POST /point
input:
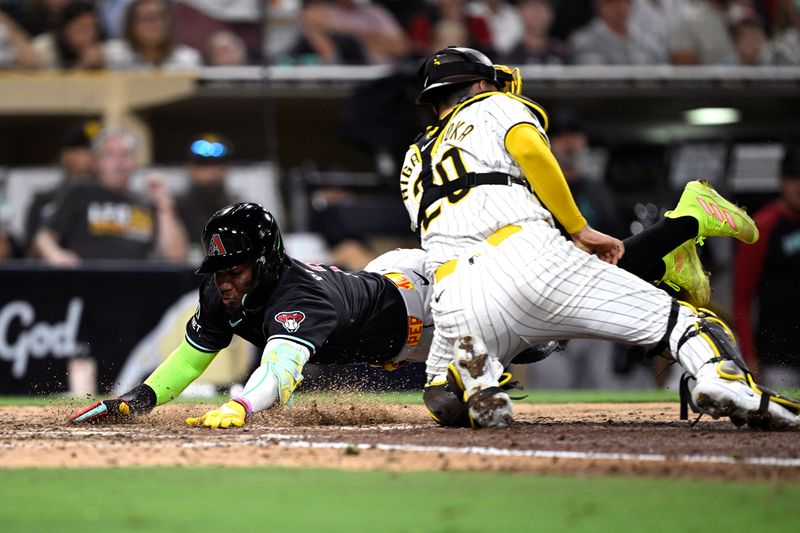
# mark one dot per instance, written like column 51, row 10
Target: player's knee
column 446, row 406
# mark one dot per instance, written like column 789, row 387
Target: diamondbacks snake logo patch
column 290, row 320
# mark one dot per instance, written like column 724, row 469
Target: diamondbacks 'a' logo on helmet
column 215, row 246
column 290, row 320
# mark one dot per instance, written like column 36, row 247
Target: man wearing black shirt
column 102, row 219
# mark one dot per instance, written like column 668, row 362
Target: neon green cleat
column 716, row 216
column 685, row 271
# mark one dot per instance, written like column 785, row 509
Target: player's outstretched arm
column 280, row 372
column 183, row 366
column 140, row 400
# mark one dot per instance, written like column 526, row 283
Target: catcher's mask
column 451, row 66
column 245, row 233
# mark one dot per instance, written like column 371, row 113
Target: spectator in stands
column 422, row 27
column 281, row 33
column 6, row 245
column 767, row 278
column 197, row 19
column 751, row 43
column 448, row 33
column 76, row 42
column 208, row 165
column 225, row 49
column 536, row 45
column 570, row 15
column 35, row 16
column 651, row 21
column 607, row 41
column 103, row 220
column 15, row 47
column 701, row 35
column 505, row 24
column 786, row 31
column 570, row 146
column 77, row 162
column 112, row 16
column 352, row 31
column 150, row 40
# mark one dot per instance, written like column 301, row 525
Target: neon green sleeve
column 183, row 366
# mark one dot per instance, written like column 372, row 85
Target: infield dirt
column 624, row 439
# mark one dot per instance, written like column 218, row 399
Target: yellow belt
column 447, row 268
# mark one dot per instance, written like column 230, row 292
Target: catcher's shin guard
column 726, row 387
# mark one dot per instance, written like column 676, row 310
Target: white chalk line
column 298, row 441
column 551, row 454
column 120, row 432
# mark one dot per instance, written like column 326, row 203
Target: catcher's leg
column 704, row 345
column 447, row 402
column 478, row 374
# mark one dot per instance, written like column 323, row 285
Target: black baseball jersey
column 340, row 317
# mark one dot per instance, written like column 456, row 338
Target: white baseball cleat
column 724, row 389
column 479, row 375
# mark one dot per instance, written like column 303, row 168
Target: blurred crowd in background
column 186, row 34
column 91, row 214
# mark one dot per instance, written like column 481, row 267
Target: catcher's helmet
column 453, row 65
column 245, row 233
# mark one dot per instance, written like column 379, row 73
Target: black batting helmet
column 453, row 65
column 245, row 233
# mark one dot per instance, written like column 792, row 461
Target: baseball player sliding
column 482, row 188
column 296, row 312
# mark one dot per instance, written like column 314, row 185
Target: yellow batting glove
column 231, row 414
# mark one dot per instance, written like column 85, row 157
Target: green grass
column 265, row 499
column 404, row 397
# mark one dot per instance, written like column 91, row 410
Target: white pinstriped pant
column 537, row 286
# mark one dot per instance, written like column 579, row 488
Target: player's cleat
column 685, row 271
column 478, row 375
column 725, row 389
column 716, row 216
